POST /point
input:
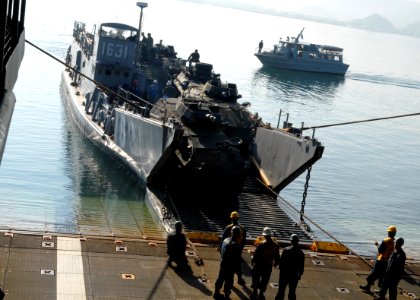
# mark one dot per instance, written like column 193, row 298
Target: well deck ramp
column 257, row 208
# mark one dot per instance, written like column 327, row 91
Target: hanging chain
column 305, row 193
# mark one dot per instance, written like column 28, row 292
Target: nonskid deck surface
column 257, row 210
column 67, row 267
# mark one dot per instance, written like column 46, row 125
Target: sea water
column 52, row 179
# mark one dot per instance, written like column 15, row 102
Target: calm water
column 52, row 179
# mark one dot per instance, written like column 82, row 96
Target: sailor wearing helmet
column 266, row 256
column 292, row 262
column 384, row 253
column 230, row 257
column 234, row 217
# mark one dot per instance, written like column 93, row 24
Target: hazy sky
column 399, row 12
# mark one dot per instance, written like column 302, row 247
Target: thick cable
column 361, row 121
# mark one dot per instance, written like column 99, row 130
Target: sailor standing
column 230, row 257
column 394, row 272
column 153, row 92
column 260, row 46
column 234, row 217
column 384, row 252
column 169, row 90
column 266, row 256
column 292, row 264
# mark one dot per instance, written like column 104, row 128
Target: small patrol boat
column 293, row 54
column 200, row 152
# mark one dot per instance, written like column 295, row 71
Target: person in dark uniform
column 230, row 257
column 384, row 252
column 194, row 57
column 292, row 263
column 153, row 92
column 394, row 272
column 143, row 38
column 176, row 247
column 234, row 217
column 135, row 88
column 149, row 45
column 260, row 46
column 169, row 90
column 266, row 256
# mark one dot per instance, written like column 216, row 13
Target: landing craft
column 200, row 151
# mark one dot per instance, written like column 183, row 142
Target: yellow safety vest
column 385, row 255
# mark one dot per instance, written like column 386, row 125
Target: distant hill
column 373, row 22
column 412, row 29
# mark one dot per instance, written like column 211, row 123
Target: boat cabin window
column 78, row 28
column 118, row 33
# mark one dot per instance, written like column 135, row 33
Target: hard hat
column 236, row 230
column 234, row 215
column 169, row 82
column 178, row 224
column 267, row 231
column 294, row 237
column 155, row 81
column 392, row 229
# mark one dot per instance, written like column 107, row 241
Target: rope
column 197, row 260
column 362, row 121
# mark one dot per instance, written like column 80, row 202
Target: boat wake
column 385, row 80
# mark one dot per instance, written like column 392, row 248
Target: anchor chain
column 305, row 193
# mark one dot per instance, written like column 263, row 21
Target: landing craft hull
column 140, row 151
column 200, row 152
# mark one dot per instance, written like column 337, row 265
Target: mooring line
column 362, row 121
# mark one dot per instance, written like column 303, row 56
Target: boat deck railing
column 140, row 105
